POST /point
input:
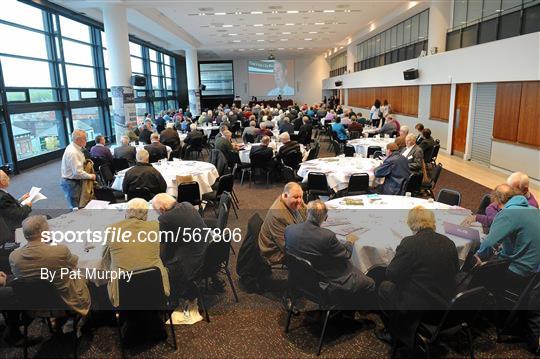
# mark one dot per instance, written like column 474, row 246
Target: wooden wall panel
column 529, row 114
column 440, row 102
column 507, row 109
column 403, row 99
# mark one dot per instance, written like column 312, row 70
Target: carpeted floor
column 254, row 326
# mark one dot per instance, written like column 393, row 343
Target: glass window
column 158, row 106
column 25, row 73
column 460, row 12
column 80, row 77
column 394, row 37
column 169, row 83
column 140, row 109
column 153, row 55
column 407, row 31
column 468, row 37
column 103, row 39
column 167, row 60
column 36, row 133
column 511, row 5
column 89, row 120
column 42, row 95
column 387, row 41
column 171, row 104
column 399, row 35
column 510, row 25
column 106, row 58
column 135, row 49
column 424, row 25
column 453, row 40
column 19, row 13
column 137, row 65
column 490, row 8
column 16, row 96
column 22, row 42
column 168, row 72
column 531, row 19
column 77, row 53
column 474, row 10
column 488, row 31
column 154, row 68
column 155, row 82
column 383, row 44
column 74, row 29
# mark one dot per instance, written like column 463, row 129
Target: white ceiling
column 248, row 28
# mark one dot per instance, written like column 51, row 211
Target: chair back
column 436, row 174
column 304, row 280
column 484, row 203
column 314, row 152
column 257, row 160
column 449, row 196
column 98, row 161
column 292, row 159
column 196, row 144
column 104, row 194
column 378, row 155
column 372, row 149
column 189, row 192
column 106, row 173
column 336, row 147
column 143, row 292
column 249, row 138
column 5, row 232
column 349, row 151
column 225, row 183
column 224, row 208
column 358, row 184
column 140, row 192
column 415, row 183
column 435, row 153
column 488, row 275
column 120, row 164
column 37, row 295
column 213, row 133
column 317, row 183
column 288, row 174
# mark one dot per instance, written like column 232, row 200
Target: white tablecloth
column 361, row 144
column 339, row 169
column 244, row 153
column 203, row 172
column 141, row 147
column 381, row 224
column 208, row 129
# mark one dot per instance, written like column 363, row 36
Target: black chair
column 106, row 173
column 249, row 138
column 189, row 192
column 414, row 184
column 140, row 192
column 349, row 151
column 484, row 203
column 196, row 145
column 107, row 194
column 459, row 317
column 449, row 196
column 306, row 282
column 358, row 184
column 120, row 164
column 292, row 159
column 336, row 146
column 435, row 174
column 372, row 149
column 434, row 154
column 488, row 275
column 40, row 299
column 289, row 175
column 144, row 291
column 314, row 151
column 259, row 164
column 225, row 183
column 98, row 161
column 317, row 185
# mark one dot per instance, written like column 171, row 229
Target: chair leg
column 25, row 333
column 469, row 341
column 242, row 179
column 203, row 305
column 231, row 283
column 235, row 213
column 76, row 340
column 119, row 327
column 323, row 332
column 173, row 334
column 289, row 316
column 49, row 324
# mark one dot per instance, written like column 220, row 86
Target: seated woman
column 338, row 128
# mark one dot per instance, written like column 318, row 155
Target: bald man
column 288, row 208
column 520, row 182
column 11, row 209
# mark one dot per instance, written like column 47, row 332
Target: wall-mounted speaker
column 203, row 87
column 410, row 74
column 338, row 83
column 137, row 80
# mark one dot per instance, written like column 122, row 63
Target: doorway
column 461, row 118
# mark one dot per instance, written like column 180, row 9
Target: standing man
column 72, row 170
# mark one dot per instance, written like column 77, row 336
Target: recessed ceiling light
column 260, row 33
column 329, row 11
column 311, row 11
column 281, row 48
column 300, row 48
column 260, row 49
column 236, row 41
column 283, row 39
column 240, row 49
column 233, row 34
column 308, row 39
column 286, row 33
column 256, row 12
column 319, row 23
column 220, row 13
column 227, row 25
column 260, row 40
column 313, row 32
column 258, row 25
column 289, row 24
column 292, row 11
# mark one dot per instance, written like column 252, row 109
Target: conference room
column 297, row 179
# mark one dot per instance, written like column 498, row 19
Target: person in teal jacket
column 517, row 228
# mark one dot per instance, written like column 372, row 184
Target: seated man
column 125, row 151
column 169, row 137
column 265, row 131
column 225, row 145
column 193, row 134
column 132, row 132
column 288, row 208
column 520, row 182
column 250, row 130
column 100, row 151
column 286, row 126
column 28, row 261
column 389, row 127
column 419, row 129
column 421, row 276
column 11, row 209
column 413, row 153
column 338, row 128
column 156, row 150
column 263, row 155
column 305, row 132
column 288, row 149
column 328, row 256
column 146, row 132
column 394, row 169
column 516, row 228
column 400, row 140
column 143, row 174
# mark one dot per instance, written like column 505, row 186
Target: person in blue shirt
column 338, row 128
column 395, row 170
column 516, row 228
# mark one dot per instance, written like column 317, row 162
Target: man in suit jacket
column 305, row 131
column 169, row 137
column 400, row 140
column 193, row 134
column 263, row 154
column 156, row 150
column 286, row 126
column 126, row 151
column 420, row 277
column 28, row 261
column 143, row 174
column 394, row 169
column 297, row 123
column 183, row 259
column 11, row 210
column 225, row 145
column 328, row 256
column 99, row 150
column 413, row 153
column 146, row 132
column 288, row 208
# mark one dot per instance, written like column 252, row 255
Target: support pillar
column 192, row 72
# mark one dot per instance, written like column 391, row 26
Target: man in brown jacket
column 288, row 208
column 30, row 260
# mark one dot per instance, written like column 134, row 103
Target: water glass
column 408, row 194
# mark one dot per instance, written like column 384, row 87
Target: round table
column 141, row 147
column 361, row 144
column 208, row 129
column 203, row 173
column 380, row 224
column 338, row 170
column 244, row 153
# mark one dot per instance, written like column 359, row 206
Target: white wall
column 308, row 72
column 516, row 158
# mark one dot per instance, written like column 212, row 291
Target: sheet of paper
column 33, row 196
column 97, row 204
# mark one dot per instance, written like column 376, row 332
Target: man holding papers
column 11, row 210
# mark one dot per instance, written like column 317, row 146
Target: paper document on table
column 348, row 229
column 34, row 196
column 335, row 222
column 97, row 204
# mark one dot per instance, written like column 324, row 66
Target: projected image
column 271, row 77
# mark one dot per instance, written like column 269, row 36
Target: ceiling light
column 300, row 48
column 283, row 39
column 349, row 41
column 259, row 33
column 289, row 24
column 308, row 39
column 233, row 34
column 236, row 41
column 258, row 25
column 286, row 33
column 260, row 49
column 281, row 48
column 227, row 26
column 220, row 13
column 240, row 49
column 313, row 32
column 256, row 12
column 319, row 23
column 311, row 11
column 292, row 11
column 329, row 11
column 260, row 40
